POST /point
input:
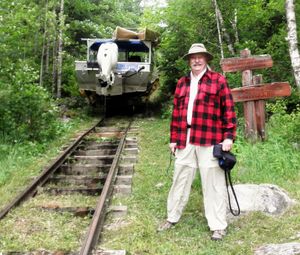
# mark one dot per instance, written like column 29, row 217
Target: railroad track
column 79, row 183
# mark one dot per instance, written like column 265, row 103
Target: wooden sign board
column 254, row 92
column 246, row 63
column 261, row 91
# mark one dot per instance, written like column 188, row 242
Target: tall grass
column 274, row 161
column 21, row 162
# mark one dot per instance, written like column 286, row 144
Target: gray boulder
column 279, row 249
column 267, row 198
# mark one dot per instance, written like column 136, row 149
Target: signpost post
column 254, row 92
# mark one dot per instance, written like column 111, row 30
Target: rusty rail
column 42, row 178
column 98, row 217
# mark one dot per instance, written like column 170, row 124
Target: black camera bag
column 227, row 161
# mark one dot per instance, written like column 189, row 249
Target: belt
column 188, row 126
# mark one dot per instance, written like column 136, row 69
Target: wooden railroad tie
column 254, row 93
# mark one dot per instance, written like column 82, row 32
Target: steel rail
column 43, row 177
column 95, row 227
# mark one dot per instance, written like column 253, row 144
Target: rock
column 266, row 198
column 279, row 249
column 159, row 185
column 109, row 252
column 296, row 146
column 296, row 236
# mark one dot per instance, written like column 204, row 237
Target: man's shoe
column 165, row 226
column 218, row 235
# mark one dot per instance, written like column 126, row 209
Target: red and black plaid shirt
column 213, row 118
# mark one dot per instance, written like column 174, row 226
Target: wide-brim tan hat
column 198, row 48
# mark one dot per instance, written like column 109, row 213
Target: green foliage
column 70, row 87
column 97, row 19
column 265, row 20
column 178, row 35
column 18, row 29
column 290, row 123
column 261, row 27
column 30, row 28
column 28, row 112
column 166, row 111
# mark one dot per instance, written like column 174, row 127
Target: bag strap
column 228, row 176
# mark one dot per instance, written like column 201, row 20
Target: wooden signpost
column 254, row 92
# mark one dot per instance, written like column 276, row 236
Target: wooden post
column 249, row 106
column 260, row 111
column 253, row 93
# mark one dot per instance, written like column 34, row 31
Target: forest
column 40, row 40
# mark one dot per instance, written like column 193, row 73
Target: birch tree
column 219, row 18
column 43, row 46
column 54, row 64
column 60, row 49
column 234, row 26
column 218, row 27
column 292, row 39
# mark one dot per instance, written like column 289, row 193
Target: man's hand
column 172, row 147
column 227, row 145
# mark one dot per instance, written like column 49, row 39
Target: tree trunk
column 42, row 64
column 60, row 49
column 234, row 26
column 218, row 27
column 292, row 39
column 54, row 65
column 47, row 54
column 43, row 47
column 226, row 35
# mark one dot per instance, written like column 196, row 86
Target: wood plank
column 249, row 106
column 250, row 121
column 261, row 91
column 260, row 112
column 247, row 63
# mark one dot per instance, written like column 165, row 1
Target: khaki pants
column 213, row 185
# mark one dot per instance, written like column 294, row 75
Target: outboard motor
column 107, row 58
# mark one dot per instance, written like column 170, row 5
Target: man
column 203, row 115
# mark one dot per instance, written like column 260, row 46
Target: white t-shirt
column 193, row 93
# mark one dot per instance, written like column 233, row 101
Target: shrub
column 290, row 123
column 27, row 111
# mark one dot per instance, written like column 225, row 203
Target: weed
column 273, row 161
